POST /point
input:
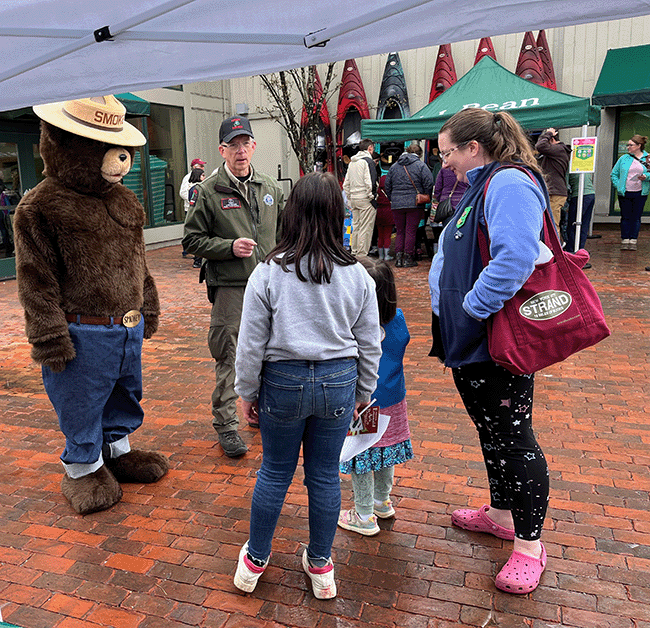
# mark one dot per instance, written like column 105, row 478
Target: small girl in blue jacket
column 372, row 470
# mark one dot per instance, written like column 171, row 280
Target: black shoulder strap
column 373, row 173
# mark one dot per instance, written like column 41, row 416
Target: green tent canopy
column 624, row 78
column 135, row 106
column 489, row 86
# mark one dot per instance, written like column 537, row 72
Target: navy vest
column 464, row 338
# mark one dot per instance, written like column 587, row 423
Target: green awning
column 624, row 78
column 135, row 106
column 493, row 88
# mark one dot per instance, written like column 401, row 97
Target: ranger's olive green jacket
column 219, row 215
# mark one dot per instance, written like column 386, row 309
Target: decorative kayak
column 547, row 62
column 485, row 49
column 444, row 76
column 393, row 104
column 444, row 72
column 352, row 108
column 529, row 65
column 324, row 148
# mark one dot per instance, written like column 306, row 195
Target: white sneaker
column 322, row 578
column 625, row 244
column 632, row 245
column 247, row 573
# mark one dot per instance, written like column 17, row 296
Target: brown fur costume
column 80, row 249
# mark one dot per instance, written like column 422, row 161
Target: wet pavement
column 164, row 557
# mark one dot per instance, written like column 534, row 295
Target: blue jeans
column 309, row 404
column 97, row 396
column 631, row 209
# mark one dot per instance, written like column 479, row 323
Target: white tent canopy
column 60, row 49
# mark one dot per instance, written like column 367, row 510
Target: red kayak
column 444, row 73
column 352, row 108
column 485, row 49
column 529, row 65
column 547, row 62
column 324, row 149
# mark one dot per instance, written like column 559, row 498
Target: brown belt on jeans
column 130, row 319
column 93, row 320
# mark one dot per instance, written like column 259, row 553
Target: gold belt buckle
column 131, row 318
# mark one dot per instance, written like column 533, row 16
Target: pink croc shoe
column 521, row 573
column 478, row 521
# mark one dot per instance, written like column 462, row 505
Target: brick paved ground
column 165, row 556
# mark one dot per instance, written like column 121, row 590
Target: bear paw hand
column 55, row 353
column 150, row 325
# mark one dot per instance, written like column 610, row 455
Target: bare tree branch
column 300, row 117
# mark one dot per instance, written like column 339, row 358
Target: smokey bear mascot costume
column 88, row 296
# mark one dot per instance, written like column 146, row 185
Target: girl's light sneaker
column 385, row 510
column 349, row 520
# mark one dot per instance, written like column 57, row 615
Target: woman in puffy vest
column 481, row 148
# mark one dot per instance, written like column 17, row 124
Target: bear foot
column 93, row 492
column 138, row 466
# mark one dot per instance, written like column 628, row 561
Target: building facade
column 182, row 122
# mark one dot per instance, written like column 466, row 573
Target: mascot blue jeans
column 97, row 396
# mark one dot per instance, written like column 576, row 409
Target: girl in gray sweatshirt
column 307, row 361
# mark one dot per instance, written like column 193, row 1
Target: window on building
column 166, row 129
column 10, row 193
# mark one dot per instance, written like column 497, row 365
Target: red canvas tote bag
column 555, row 314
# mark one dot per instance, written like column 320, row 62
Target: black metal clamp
column 103, row 34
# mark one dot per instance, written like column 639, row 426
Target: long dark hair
column 312, row 226
column 384, row 279
column 196, row 174
column 499, row 133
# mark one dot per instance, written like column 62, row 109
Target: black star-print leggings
column 501, row 406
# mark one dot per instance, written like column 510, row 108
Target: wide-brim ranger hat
column 100, row 118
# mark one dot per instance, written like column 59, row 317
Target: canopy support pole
column 581, row 191
column 321, row 37
column 90, row 39
column 287, row 39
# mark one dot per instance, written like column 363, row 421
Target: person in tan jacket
column 360, row 187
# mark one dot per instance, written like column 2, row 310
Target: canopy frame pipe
column 321, row 37
column 289, row 39
column 90, row 39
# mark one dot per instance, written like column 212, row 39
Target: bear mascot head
column 88, row 296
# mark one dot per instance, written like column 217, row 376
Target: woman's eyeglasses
column 445, row 154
